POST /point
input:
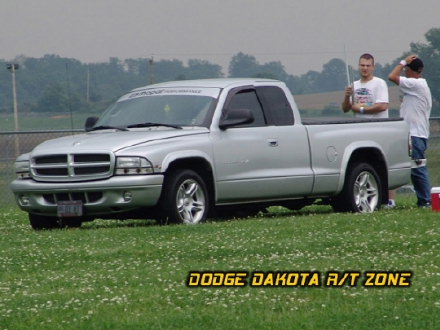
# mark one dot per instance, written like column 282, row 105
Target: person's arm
column 375, row 108
column 394, row 76
column 346, row 104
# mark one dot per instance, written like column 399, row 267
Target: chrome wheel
column 190, row 202
column 365, row 192
column 362, row 191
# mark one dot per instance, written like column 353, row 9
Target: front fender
column 185, row 154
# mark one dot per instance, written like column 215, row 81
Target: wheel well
column 376, row 159
column 199, row 165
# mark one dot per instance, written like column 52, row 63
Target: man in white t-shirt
column 415, row 110
column 368, row 98
column 370, row 93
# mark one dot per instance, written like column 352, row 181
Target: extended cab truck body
column 175, row 151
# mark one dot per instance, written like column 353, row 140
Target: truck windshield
column 167, row 106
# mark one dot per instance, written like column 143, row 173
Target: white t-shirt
column 369, row 93
column 416, row 105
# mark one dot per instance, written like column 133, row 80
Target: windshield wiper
column 109, row 127
column 153, row 124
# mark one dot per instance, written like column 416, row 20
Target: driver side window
column 247, row 99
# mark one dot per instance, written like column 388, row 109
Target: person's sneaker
column 391, row 204
column 425, row 204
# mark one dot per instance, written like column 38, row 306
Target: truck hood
column 111, row 140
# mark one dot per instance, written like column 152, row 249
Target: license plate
column 67, row 209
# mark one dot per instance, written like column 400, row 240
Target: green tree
column 309, row 81
column 333, row 76
column 167, row 70
column 53, row 100
column 294, row 84
column 199, row 69
column 243, row 65
column 274, row 70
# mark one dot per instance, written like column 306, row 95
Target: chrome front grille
column 85, row 197
column 72, row 167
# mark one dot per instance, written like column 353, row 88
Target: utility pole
column 151, row 70
column 88, row 85
column 14, row 67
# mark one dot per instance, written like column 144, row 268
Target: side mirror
column 90, row 122
column 236, row 117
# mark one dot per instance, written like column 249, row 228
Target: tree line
column 56, row 84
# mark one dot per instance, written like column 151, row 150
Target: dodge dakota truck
column 181, row 151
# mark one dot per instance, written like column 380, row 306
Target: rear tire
column 362, row 192
column 185, row 198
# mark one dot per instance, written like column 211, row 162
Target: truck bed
column 344, row 120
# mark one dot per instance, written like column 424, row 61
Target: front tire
column 185, row 199
column 362, row 192
column 40, row 222
column 70, row 222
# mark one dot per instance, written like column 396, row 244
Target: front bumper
column 103, row 197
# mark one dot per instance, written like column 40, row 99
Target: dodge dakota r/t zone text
column 178, row 151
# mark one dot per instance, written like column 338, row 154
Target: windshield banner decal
column 211, row 92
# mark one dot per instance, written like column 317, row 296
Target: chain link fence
column 13, row 144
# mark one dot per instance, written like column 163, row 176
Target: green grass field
column 47, row 121
column 132, row 275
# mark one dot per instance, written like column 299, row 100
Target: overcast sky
column 302, row 34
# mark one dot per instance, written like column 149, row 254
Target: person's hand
column 410, row 58
column 349, row 91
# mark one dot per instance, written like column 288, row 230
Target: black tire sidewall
column 355, row 171
column 173, row 181
column 40, row 222
column 345, row 201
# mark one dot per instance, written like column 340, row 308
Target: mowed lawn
column 132, row 275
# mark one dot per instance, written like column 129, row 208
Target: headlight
column 22, row 169
column 132, row 166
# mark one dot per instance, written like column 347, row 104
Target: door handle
column 273, row 143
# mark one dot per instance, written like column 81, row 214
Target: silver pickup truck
column 181, row 151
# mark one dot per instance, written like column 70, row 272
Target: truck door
column 249, row 159
column 293, row 143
